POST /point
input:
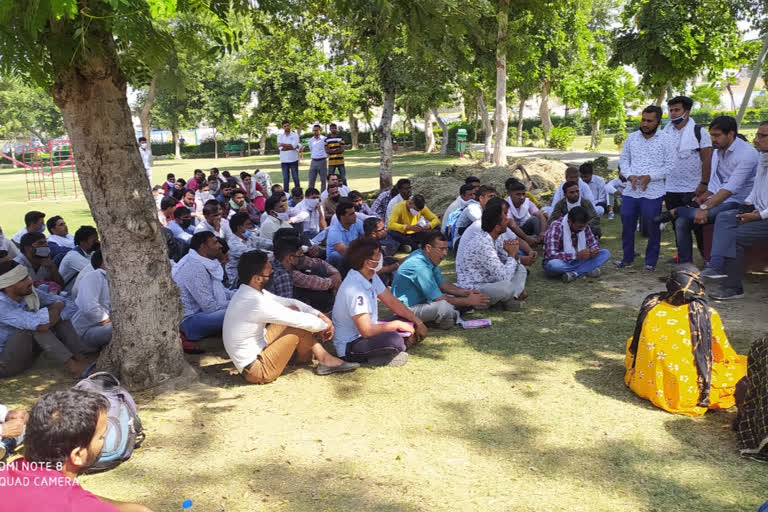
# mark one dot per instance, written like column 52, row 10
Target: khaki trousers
column 282, row 342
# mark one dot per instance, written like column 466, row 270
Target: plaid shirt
column 380, row 204
column 309, row 281
column 282, row 284
column 553, row 242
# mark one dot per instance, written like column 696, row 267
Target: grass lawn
column 531, row 414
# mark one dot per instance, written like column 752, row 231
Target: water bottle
column 187, row 506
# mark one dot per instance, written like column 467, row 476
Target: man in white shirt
column 146, row 157
column 262, row 331
column 738, row 229
column 212, row 222
column 403, row 187
column 33, row 221
column 309, row 211
column 473, row 211
column 524, row 213
column 487, row 262
column 86, row 241
column 60, row 240
column 466, row 194
column 91, row 320
column 242, row 230
column 8, row 246
column 597, row 185
column 571, row 174
column 644, row 161
column 288, row 143
column 276, row 216
column 319, row 163
column 333, row 179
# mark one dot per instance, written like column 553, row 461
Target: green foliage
column 620, row 137
column 537, row 133
column 27, row 111
column 600, row 163
column 561, row 137
column 760, row 101
column 706, row 95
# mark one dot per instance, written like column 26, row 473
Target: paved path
column 575, row 157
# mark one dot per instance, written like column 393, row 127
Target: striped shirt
column 334, row 146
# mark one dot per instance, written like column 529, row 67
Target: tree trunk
column 752, row 80
column 215, row 145
column 176, row 142
column 487, row 128
column 546, row 121
column 145, row 113
column 354, row 129
column 263, row 143
column 249, row 145
column 444, row 127
column 385, row 167
column 662, row 96
column 501, row 119
column 429, row 135
column 145, row 349
column 520, row 110
column 595, row 132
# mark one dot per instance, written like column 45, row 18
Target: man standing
column 419, row 284
column 570, row 248
column 735, row 165
column 288, row 143
column 319, row 163
column 146, row 157
column 737, row 229
column 334, row 146
column 644, row 161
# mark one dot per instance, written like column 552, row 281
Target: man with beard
column 645, row 162
column 64, row 437
column 571, row 200
column 330, row 202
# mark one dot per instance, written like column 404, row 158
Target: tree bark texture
column 501, row 119
column 215, row 145
column 145, row 113
column 595, row 132
column 263, row 143
column 145, row 349
column 354, row 130
column 487, row 128
column 385, row 143
column 546, row 121
column 176, row 142
column 444, row 127
column 662, row 96
column 520, row 120
column 429, row 134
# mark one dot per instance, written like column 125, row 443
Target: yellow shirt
column 401, row 217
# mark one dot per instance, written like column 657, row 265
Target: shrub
column 600, row 163
column 619, row 138
column 537, row 133
column 561, row 137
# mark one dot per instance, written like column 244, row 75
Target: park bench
column 755, row 257
column 233, row 148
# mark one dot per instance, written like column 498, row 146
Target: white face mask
column 379, row 265
column 312, row 203
column 143, row 145
column 413, row 211
column 283, row 216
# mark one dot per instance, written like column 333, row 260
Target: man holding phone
column 737, row 229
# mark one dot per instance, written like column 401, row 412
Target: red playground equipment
column 50, row 170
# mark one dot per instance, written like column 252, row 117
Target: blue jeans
column 632, row 209
column 684, row 224
column 293, row 167
column 554, row 268
column 203, row 325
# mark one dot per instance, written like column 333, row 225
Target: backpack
column 449, row 230
column 697, row 133
column 124, row 430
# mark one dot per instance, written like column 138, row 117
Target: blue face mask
column 247, row 234
column 678, row 120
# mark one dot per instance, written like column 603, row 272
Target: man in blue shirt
column 32, row 320
column 419, row 284
column 342, row 233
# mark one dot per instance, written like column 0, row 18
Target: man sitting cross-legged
column 571, row 174
column 573, row 199
column 374, row 228
column 526, row 215
column 199, row 276
column 30, row 321
column 419, row 284
column 263, row 332
column 34, row 222
column 409, row 222
column 35, row 255
column 571, row 250
column 64, row 437
column 92, row 321
column 487, row 262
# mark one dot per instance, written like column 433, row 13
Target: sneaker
column 727, row 293
column 649, row 268
column 344, row 367
column 663, row 217
column 594, row 273
column 407, row 249
column 570, row 276
column 622, row 264
column 398, row 359
column 713, row 273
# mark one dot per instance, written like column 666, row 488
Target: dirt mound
column 441, row 188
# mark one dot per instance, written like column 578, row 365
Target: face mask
column 143, row 145
column 312, row 203
column 214, row 187
column 247, row 233
column 283, row 216
column 379, row 265
column 335, row 199
column 41, row 229
column 42, row 252
column 95, row 247
column 678, row 120
column 186, row 223
column 358, row 207
column 414, row 212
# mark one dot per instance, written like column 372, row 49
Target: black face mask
column 186, row 223
column 335, row 199
column 358, row 207
column 96, row 246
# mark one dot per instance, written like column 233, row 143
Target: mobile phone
column 746, row 208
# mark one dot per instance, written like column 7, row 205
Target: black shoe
column 727, row 294
column 663, row 217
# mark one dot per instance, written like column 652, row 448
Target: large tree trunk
column 354, row 129
column 487, row 128
column 215, row 145
column 546, row 121
column 249, row 145
column 520, row 110
column 662, row 96
column 595, row 132
column 444, row 127
column 501, row 118
column 145, row 349
column 145, row 113
column 176, row 142
column 385, row 167
column 429, row 134
column 263, row 143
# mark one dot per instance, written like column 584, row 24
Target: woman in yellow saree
column 679, row 357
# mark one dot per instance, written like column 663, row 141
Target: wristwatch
column 703, row 207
